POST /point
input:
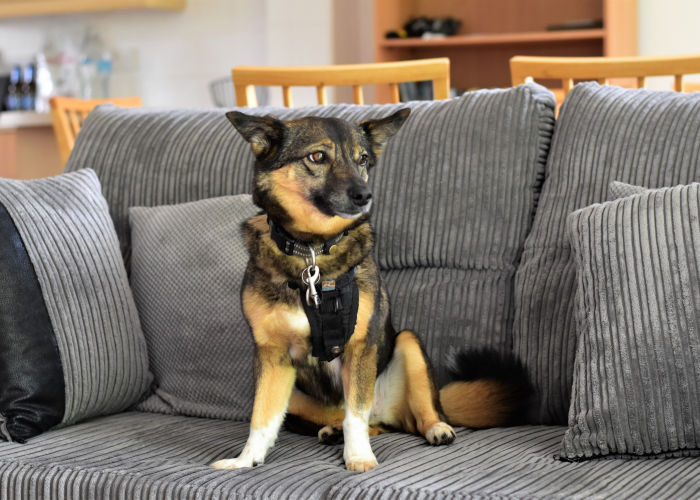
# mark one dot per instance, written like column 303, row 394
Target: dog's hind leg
column 328, row 419
column 421, row 395
column 311, row 409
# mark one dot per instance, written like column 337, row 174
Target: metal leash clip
column 310, row 276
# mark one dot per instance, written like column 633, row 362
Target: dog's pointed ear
column 264, row 133
column 380, row 131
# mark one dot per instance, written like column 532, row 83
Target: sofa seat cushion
column 140, row 455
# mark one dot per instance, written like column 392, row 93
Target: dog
column 311, row 269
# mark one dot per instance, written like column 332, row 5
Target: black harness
column 333, row 314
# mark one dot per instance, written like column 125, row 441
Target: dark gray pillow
column 618, row 189
column 603, row 133
column 188, row 262
column 636, row 387
column 71, row 345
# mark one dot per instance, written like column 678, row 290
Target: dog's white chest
column 299, row 330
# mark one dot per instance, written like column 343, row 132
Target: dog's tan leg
column 273, row 326
column 272, row 393
column 311, row 409
column 330, row 417
column 421, row 396
column 359, row 372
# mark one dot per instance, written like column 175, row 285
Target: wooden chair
column 245, row 78
column 68, row 114
column 602, row 69
column 691, row 86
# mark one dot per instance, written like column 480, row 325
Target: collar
column 291, row 246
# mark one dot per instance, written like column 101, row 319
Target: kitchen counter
column 18, row 119
column 28, row 147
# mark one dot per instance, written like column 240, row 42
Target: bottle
column 44, row 84
column 14, row 89
column 95, row 68
column 29, row 88
column 104, row 71
column 62, row 61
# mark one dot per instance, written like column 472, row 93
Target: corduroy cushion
column 146, row 456
column 455, row 192
column 187, row 267
column 603, row 133
column 71, row 345
column 636, row 384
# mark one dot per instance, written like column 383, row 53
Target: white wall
column 298, row 32
column 668, row 27
column 169, row 58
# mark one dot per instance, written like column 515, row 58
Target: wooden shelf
column 20, row 8
column 497, row 30
column 480, row 39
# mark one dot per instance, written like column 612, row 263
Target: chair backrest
column 602, row 69
column 245, row 78
column 68, row 114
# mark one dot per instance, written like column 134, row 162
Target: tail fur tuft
column 489, row 389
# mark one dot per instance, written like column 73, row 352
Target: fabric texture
column 636, row 384
column 64, row 224
column 140, row 455
column 603, row 133
column 455, row 192
column 618, row 190
column 187, row 268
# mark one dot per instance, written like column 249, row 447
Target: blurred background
column 170, row 57
column 179, row 53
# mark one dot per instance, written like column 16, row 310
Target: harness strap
column 333, row 322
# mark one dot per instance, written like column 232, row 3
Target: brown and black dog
column 311, row 182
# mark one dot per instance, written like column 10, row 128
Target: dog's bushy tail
column 488, row 389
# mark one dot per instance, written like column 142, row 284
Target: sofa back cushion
column 455, row 194
column 603, row 134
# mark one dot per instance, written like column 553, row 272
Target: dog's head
column 311, row 173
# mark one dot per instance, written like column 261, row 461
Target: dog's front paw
column 331, row 434
column 361, row 464
column 233, row 463
column 440, row 433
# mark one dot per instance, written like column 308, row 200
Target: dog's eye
column 363, row 160
column 317, row 157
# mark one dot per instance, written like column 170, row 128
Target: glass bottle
column 14, row 89
column 29, row 88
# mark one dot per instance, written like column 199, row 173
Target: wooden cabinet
column 17, row 8
column 493, row 31
column 28, row 147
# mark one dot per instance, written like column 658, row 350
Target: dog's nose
column 360, row 194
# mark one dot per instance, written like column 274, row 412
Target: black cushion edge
column 32, row 393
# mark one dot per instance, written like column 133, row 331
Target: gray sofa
column 472, row 196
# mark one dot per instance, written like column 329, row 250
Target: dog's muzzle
column 360, row 195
